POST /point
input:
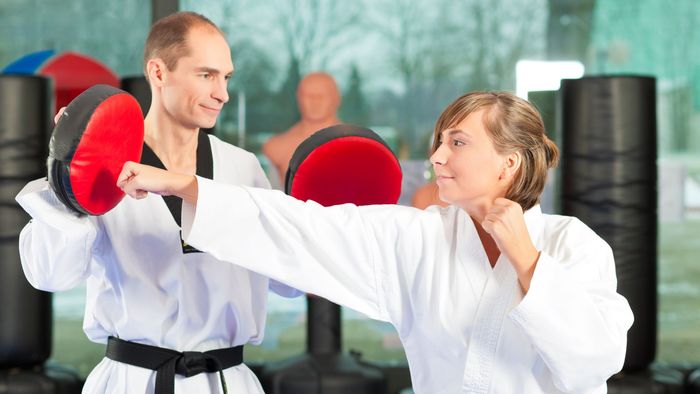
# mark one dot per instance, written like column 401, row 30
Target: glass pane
column 70, row 345
column 400, row 62
column 112, row 33
column 660, row 38
column 285, row 331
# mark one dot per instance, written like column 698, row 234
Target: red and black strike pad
column 99, row 131
column 344, row 164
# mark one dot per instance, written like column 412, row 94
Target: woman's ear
column 511, row 164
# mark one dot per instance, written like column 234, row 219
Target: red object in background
column 73, row 73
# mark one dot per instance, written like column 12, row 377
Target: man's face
column 196, row 90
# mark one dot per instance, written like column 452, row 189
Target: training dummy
column 318, row 98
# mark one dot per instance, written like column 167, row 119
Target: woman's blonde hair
column 514, row 125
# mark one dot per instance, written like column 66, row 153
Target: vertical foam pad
column 609, row 182
column 25, row 313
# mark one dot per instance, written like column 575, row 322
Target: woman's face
column 468, row 170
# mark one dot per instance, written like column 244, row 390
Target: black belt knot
column 167, row 362
column 193, row 363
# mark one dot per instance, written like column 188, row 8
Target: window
column 398, row 64
column 111, row 32
column 658, row 38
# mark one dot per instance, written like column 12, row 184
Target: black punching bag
column 26, row 111
column 609, row 182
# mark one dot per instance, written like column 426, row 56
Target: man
column 318, row 98
column 150, row 295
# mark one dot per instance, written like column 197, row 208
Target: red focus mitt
column 344, row 164
column 98, row 132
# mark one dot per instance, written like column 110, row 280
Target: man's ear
column 511, row 164
column 155, row 71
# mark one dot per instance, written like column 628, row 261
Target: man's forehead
column 198, row 37
column 207, row 54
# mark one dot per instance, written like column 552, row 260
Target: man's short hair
column 167, row 39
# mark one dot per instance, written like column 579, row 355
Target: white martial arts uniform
column 465, row 327
column 141, row 287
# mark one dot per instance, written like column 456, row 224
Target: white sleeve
column 574, row 316
column 347, row 254
column 56, row 245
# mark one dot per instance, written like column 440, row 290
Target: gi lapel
column 483, row 342
column 205, row 168
column 494, row 303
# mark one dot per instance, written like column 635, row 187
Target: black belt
column 167, row 362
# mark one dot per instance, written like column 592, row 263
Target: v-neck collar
column 472, row 254
column 496, row 290
column 205, row 169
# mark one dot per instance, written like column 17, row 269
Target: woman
column 488, row 295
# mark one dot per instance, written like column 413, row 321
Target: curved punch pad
column 98, row 132
column 344, row 164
